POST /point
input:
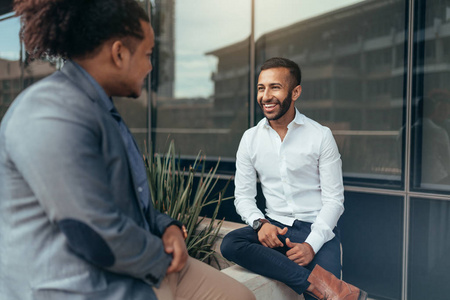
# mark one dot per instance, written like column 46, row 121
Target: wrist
column 310, row 248
column 180, row 226
column 257, row 224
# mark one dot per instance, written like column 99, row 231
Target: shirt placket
column 287, row 191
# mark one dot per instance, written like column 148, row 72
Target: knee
column 236, row 242
column 227, row 247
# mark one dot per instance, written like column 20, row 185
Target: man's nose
column 267, row 95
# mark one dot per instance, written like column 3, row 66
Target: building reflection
column 210, row 123
column 353, row 67
column 15, row 76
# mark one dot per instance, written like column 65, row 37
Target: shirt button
column 140, row 189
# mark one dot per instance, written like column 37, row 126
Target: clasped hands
column 300, row 253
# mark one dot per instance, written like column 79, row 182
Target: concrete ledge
column 262, row 287
column 227, row 226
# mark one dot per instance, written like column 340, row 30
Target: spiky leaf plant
column 174, row 193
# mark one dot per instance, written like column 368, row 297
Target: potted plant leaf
column 183, row 193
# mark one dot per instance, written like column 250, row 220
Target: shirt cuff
column 254, row 217
column 315, row 240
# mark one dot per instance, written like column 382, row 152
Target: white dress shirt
column 301, row 176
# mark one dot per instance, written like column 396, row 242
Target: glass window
column 201, row 75
column 16, row 68
column 352, row 58
column 10, row 66
column 429, row 247
column 372, row 242
column 431, row 109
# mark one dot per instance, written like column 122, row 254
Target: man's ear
column 119, row 54
column 296, row 92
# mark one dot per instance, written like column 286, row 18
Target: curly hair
column 76, row 28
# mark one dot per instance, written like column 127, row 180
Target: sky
column 9, row 39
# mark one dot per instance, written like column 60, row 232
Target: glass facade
column 201, row 79
column 431, row 98
column 352, row 59
column 17, row 72
column 372, row 253
column 428, row 249
column 374, row 71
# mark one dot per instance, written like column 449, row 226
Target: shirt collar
column 105, row 100
column 299, row 119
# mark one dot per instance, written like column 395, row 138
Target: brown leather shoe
column 328, row 287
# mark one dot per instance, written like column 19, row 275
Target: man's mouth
column 269, row 107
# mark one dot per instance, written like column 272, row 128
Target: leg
column 198, row 281
column 242, row 247
column 328, row 257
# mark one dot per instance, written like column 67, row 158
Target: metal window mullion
column 407, row 141
column 252, row 68
column 150, row 145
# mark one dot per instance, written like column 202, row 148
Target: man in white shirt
column 298, row 164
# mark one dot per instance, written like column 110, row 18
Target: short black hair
column 76, row 28
column 281, row 62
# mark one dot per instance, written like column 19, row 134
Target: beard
column 284, row 107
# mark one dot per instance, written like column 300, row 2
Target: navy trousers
column 243, row 247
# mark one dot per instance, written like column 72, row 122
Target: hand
column 174, row 244
column 300, row 253
column 267, row 235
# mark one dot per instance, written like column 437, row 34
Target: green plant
column 175, row 193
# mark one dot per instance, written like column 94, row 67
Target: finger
column 264, row 243
column 303, row 262
column 176, row 263
column 289, row 243
column 279, row 243
column 282, row 231
column 171, row 268
column 294, row 252
column 169, row 249
column 276, row 241
column 270, row 242
column 291, row 251
column 294, row 257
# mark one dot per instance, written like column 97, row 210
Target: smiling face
column 276, row 94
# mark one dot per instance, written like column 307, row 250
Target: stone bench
column 263, row 287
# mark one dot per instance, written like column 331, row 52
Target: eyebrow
column 271, row 84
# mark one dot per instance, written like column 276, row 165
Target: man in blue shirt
column 298, row 164
column 76, row 217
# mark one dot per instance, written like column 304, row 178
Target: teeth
column 269, row 105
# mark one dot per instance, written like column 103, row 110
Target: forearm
column 248, row 210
